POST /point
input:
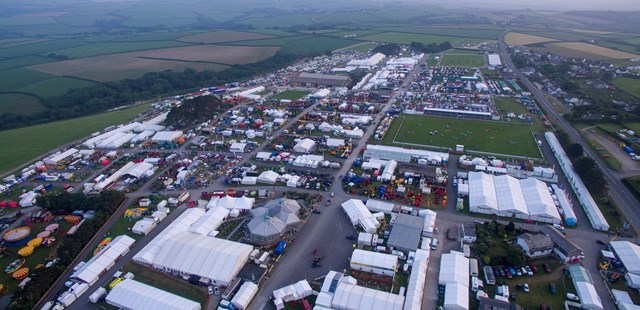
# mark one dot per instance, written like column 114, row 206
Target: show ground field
column 500, row 138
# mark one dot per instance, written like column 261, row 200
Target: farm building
column 305, row 145
column 507, row 196
column 182, row 250
column 534, row 246
column 494, row 60
column 342, row 292
column 629, row 254
column 104, row 260
column 403, row 155
column 374, row 262
column 583, row 283
column 360, row 216
column 563, row 248
column 468, row 232
column 270, row 222
column 597, row 219
column 131, row 294
column 406, row 232
column 318, row 80
column 166, row 136
column 268, row 177
column 244, row 295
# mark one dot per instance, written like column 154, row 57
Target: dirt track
column 629, row 166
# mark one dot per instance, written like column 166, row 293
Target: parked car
column 501, row 271
column 524, row 271
column 519, row 287
column 572, row 297
column 601, row 242
column 512, row 270
column 210, row 290
column 351, row 237
column 525, row 288
column 512, row 296
column 216, row 290
column 547, row 268
column 552, row 288
column 508, row 274
column 518, row 272
column 316, row 211
column 533, row 268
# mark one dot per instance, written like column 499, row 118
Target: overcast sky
column 566, row 5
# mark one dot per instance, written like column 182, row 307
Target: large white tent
column 629, row 255
column 456, row 296
column 583, row 282
column 244, row 295
column 429, row 222
column 166, row 136
column 230, row 203
column 375, row 206
column 415, row 288
column 268, row 177
column 55, row 159
column 209, row 222
column 359, row 215
column 354, row 297
column 305, row 145
column 375, row 262
column 105, row 259
column 134, row 295
column 507, row 196
column 295, row 291
column 454, row 267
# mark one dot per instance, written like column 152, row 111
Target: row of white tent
column 131, row 294
column 104, row 260
column 359, row 215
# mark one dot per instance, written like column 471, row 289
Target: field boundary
column 179, row 60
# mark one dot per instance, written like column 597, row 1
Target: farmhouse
column 564, row 249
column 538, row 245
column 318, row 80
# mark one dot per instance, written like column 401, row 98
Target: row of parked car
column 528, row 270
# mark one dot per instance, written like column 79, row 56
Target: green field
column 54, row 87
column 491, row 34
column 20, row 104
column 290, row 95
column 406, row 38
column 13, row 79
column 24, row 144
column 316, row 45
column 509, row 104
column 462, row 60
column 23, row 61
column 362, row 47
column 97, row 49
column 628, row 85
column 476, row 135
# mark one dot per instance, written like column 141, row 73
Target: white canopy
column 629, row 255
column 456, row 296
column 454, row 267
column 209, row 222
column 415, row 288
column 166, row 136
column 374, row 259
column 104, row 260
column 353, row 297
column 588, row 295
column 375, row 205
column 228, row 202
column 244, row 295
column 268, row 177
column 304, row 146
column 143, row 226
column 131, row 294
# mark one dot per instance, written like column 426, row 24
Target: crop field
column 361, row 47
column 45, row 47
column 491, row 34
column 515, row 38
column 619, row 46
column 561, row 35
column 406, row 38
column 20, row 104
column 290, row 95
column 23, row 61
column 316, row 45
column 586, row 50
column 54, row 87
column 462, row 60
column 211, row 53
column 223, row 36
column 117, row 67
column 635, row 41
column 281, row 41
column 13, row 79
column 23, row 144
column 476, row 135
column 628, row 85
column 96, row 49
column 7, row 43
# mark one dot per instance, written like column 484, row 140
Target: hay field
column 590, row 51
column 223, row 36
column 515, row 38
column 117, row 67
column 212, row 53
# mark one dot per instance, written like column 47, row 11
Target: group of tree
column 196, row 110
column 431, row 47
column 387, row 49
column 585, row 166
column 42, row 279
column 487, row 235
column 108, row 95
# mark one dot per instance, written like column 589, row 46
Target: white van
column 381, row 248
column 434, row 243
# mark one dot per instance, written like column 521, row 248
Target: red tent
column 3, row 204
column 13, row 204
column 105, row 162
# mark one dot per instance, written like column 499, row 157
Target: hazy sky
column 566, row 5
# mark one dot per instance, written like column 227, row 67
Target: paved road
column 621, row 195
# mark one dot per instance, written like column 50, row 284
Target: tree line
column 585, row 166
column 42, row 279
column 108, row 95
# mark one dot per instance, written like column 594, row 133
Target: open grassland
column 273, row 32
column 476, row 135
column 316, row 45
column 462, row 60
column 290, row 95
column 12, row 79
column 462, row 51
column 223, row 36
column 23, row 61
column 23, row 144
column 39, row 48
column 54, row 87
column 281, row 41
column 406, row 38
column 279, row 21
column 96, row 49
column 515, row 38
column 117, row 67
column 20, row 104
column 361, row 47
column 7, row 43
column 635, row 41
column 622, row 46
column 628, row 85
column 586, row 50
column 211, row 53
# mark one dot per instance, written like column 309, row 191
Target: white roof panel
column 134, row 295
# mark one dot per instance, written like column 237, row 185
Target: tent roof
column 456, row 296
column 209, row 222
column 240, row 203
column 353, row 297
column 375, row 259
column 406, row 232
column 268, row 176
column 355, row 210
column 244, row 295
column 104, row 259
column 375, row 205
column 509, row 194
column 454, row 267
column 588, row 295
column 131, row 294
column 538, row 198
column 415, row 288
column 208, row 257
column 482, row 191
column 629, row 254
